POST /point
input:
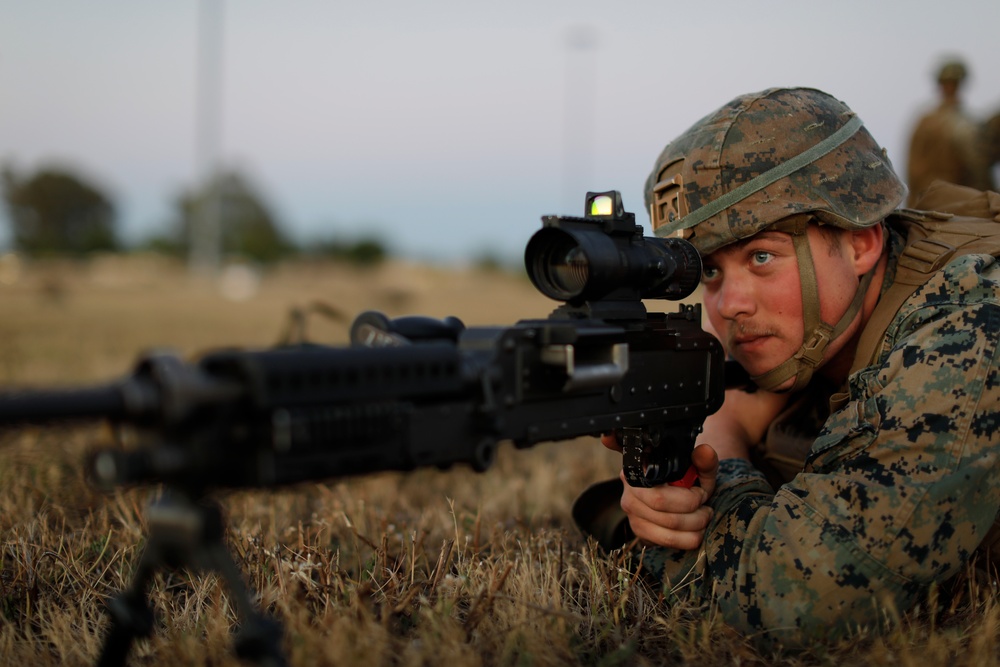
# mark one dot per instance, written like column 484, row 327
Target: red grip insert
column 688, row 480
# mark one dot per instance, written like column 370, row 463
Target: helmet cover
column 952, row 70
column 786, row 138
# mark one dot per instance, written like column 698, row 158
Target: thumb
column 706, row 462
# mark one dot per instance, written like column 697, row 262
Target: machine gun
column 408, row 393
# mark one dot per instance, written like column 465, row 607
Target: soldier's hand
column 611, row 442
column 673, row 516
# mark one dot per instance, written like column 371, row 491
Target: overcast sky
column 446, row 126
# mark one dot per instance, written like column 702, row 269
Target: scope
column 604, row 255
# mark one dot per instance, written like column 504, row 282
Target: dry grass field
column 429, row 568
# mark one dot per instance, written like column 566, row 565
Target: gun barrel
column 29, row 407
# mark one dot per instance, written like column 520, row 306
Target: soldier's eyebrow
column 771, row 236
column 765, row 235
column 739, row 246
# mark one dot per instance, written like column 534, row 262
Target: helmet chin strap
column 817, row 334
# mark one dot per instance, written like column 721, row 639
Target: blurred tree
column 56, row 211
column 490, row 261
column 363, row 252
column 248, row 227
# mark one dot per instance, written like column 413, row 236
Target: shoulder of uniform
column 959, row 200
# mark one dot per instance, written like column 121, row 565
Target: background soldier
column 948, row 144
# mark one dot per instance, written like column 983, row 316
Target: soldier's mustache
column 743, row 331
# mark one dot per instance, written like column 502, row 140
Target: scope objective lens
column 570, row 272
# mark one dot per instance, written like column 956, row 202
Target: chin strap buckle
column 811, row 353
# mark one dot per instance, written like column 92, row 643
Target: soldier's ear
column 866, row 247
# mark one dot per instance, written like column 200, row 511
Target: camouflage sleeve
column 898, row 491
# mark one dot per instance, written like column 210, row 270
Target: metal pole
column 206, row 228
column 581, row 95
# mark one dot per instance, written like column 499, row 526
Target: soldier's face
column 753, row 295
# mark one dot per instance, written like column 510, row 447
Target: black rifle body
column 240, row 418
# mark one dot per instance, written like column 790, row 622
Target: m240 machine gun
column 408, row 393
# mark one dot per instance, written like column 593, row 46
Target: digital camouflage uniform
column 900, row 484
column 899, row 488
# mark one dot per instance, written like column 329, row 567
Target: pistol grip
column 652, row 459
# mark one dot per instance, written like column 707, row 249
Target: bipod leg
column 187, row 533
column 259, row 638
column 130, row 612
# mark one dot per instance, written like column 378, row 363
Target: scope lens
column 557, row 264
column 571, row 271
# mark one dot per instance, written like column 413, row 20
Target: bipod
column 187, row 533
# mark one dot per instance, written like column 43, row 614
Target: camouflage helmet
column 764, row 157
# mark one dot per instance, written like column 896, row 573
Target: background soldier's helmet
column 767, row 156
column 952, row 70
